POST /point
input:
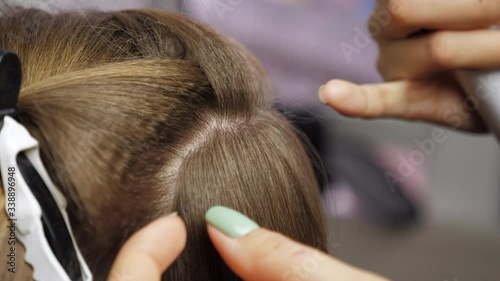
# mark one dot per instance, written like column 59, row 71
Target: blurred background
column 399, row 203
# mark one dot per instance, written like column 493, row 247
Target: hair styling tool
column 483, row 90
column 35, row 207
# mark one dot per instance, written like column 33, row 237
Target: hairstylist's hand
column 257, row 254
column 419, row 67
column 149, row 252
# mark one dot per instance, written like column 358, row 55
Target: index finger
column 257, row 254
column 427, row 100
column 149, row 252
column 400, row 18
column 267, row 256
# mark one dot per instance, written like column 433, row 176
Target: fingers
column 410, row 15
column 438, row 51
column 367, row 101
column 439, row 101
column 262, row 255
column 149, row 252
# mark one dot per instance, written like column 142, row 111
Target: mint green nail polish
column 229, row 221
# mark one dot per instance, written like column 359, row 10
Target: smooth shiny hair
column 141, row 113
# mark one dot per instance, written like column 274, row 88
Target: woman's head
column 142, row 113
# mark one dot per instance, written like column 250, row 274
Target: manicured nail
column 321, row 99
column 230, row 222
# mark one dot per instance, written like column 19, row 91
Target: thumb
column 438, row 100
column 257, row 254
column 150, row 251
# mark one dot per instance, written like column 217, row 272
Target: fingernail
column 172, row 214
column 321, row 99
column 230, row 222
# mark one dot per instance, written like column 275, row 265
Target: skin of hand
column 253, row 253
column 420, row 44
column 264, row 255
column 150, row 251
column 258, row 254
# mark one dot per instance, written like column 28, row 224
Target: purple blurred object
column 300, row 43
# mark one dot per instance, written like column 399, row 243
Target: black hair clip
column 10, row 83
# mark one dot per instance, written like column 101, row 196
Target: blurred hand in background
column 423, row 42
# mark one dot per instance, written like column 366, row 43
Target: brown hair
column 144, row 112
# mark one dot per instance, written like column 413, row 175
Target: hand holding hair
column 258, row 254
column 157, row 68
column 150, row 251
column 421, row 43
column 253, row 253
